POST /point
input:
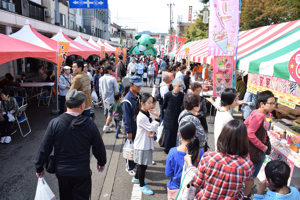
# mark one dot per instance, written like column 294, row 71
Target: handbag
column 50, row 163
column 161, row 140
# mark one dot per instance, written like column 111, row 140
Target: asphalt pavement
column 18, row 180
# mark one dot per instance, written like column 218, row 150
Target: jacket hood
column 81, row 120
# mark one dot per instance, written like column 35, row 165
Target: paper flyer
column 282, row 85
column 274, row 86
column 298, row 94
column 222, row 74
column 290, row 92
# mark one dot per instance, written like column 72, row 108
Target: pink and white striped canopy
column 249, row 41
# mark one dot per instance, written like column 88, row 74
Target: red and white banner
column 172, row 41
column 162, row 52
column 180, row 43
column 190, row 13
column 223, row 27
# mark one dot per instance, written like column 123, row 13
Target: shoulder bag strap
column 67, row 80
column 62, row 140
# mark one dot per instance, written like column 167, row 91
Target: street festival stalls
column 99, row 45
column 28, row 34
column 75, row 47
column 249, row 41
column 276, row 67
column 9, row 51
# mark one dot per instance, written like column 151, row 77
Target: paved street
column 18, row 180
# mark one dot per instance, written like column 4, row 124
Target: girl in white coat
column 144, row 142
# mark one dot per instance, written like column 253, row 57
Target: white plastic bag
column 160, row 130
column 11, row 118
column 43, row 191
column 186, row 191
column 128, row 150
column 94, row 96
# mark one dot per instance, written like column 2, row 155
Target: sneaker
column 7, row 140
column 153, row 162
column 111, row 124
column 106, row 129
column 134, row 180
column 247, row 197
column 146, row 190
column 2, row 139
column 130, row 172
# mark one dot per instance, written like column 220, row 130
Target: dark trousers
column 204, row 123
column 86, row 113
column 62, row 104
column 118, row 122
column 5, row 128
column 170, row 139
column 161, row 114
column 74, row 187
column 140, row 174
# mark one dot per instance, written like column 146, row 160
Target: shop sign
column 294, row 66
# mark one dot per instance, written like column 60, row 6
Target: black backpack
column 123, row 70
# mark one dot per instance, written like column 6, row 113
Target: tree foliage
column 256, row 13
column 197, row 30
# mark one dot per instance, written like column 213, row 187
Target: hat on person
column 108, row 67
column 67, row 67
column 154, row 60
column 151, row 61
column 136, row 80
column 74, row 95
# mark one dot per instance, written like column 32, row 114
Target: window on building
column 72, row 25
column 36, row 11
column 62, row 20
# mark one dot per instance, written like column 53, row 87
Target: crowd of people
column 228, row 172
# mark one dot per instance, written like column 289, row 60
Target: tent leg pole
column 56, row 90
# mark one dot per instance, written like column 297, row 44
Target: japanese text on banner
column 223, row 27
column 62, row 55
column 102, row 52
column 172, row 42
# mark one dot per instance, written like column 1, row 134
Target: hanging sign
column 172, row 42
column 190, row 13
column 162, row 53
column 223, row 27
column 118, row 52
column 180, row 43
column 62, row 55
column 222, row 74
column 102, row 52
column 294, row 66
column 187, row 57
column 124, row 55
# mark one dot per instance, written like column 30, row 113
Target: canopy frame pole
column 236, row 51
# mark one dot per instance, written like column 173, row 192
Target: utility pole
column 171, row 5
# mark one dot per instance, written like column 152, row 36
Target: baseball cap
column 154, row 60
column 74, row 95
column 136, row 80
column 108, row 67
column 67, row 67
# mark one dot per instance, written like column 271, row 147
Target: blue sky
column 152, row 15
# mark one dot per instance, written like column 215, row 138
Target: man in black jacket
column 72, row 165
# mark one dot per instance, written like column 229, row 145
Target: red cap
column 154, row 60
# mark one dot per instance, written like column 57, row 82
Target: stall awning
column 182, row 50
column 93, row 42
column 273, row 58
column 82, row 41
column 109, row 47
column 77, row 48
column 12, row 49
column 249, row 40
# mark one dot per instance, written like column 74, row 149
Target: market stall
column 275, row 67
column 94, row 43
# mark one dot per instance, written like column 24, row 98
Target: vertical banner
column 102, row 52
column 62, row 56
column 222, row 74
column 124, row 55
column 180, row 43
column 187, row 57
column 172, row 41
column 162, row 54
column 190, row 13
column 223, row 27
column 118, row 52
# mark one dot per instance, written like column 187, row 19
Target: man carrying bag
column 71, row 135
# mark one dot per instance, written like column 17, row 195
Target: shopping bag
column 11, row 118
column 43, row 191
column 186, row 191
column 159, row 131
column 94, row 97
column 128, row 150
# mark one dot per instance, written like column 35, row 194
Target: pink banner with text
column 223, row 27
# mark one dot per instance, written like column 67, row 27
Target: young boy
column 117, row 111
column 277, row 176
column 145, row 75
